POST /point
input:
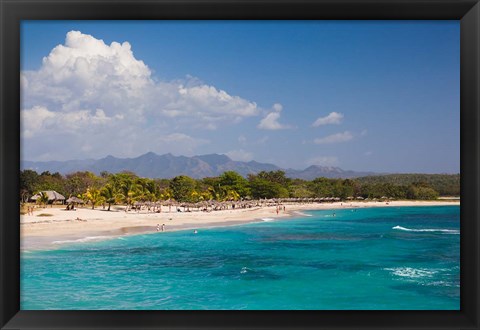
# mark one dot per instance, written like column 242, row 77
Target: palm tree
column 110, row 194
column 93, row 195
column 129, row 191
column 150, row 190
column 115, row 181
column 167, row 196
column 207, row 195
column 232, row 195
column 43, row 199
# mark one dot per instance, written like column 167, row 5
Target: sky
column 380, row 96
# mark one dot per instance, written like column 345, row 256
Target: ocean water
column 405, row 258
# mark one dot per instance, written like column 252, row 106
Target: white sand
column 62, row 225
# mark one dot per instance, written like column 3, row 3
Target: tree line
column 444, row 184
column 128, row 188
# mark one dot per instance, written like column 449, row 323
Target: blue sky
column 384, row 94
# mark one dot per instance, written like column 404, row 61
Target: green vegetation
column 128, row 188
column 443, row 184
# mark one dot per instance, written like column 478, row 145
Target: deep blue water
column 361, row 259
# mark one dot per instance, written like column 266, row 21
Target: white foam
column 244, row 270
column 412, row 272
column 442, row 283
column 446, row 231
column 303, row 214
column 82, row 240
column 267, row 219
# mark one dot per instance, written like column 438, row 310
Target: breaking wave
column 81, row 240
column 303, row 214
column 446, row 231
column 411, row 272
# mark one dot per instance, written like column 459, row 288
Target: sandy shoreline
column 86, row 224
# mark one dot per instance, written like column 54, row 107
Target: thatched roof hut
column 74, row 199
column 52, row 196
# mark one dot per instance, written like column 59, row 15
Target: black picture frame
column 13, row 11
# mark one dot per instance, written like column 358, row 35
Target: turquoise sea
column 358, row 259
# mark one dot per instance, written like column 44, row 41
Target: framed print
column 238, row 164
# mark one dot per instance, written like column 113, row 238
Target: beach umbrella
column 75, row 199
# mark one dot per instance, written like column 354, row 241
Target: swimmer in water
column 195, row 231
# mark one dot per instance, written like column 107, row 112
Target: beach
column 84, row 224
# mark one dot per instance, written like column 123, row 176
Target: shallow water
column 364, row 259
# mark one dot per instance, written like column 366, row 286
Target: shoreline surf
column 99, row 224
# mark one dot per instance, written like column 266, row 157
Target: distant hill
column 168, row 166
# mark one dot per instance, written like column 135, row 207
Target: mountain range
column 152, row 165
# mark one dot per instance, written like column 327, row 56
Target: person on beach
column 163, row 227
column 158, row 227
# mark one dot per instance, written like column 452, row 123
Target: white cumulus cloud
column 270, row 121
column 331, row 118
column 38, row 120
column 335, row 138
column 93, row 94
